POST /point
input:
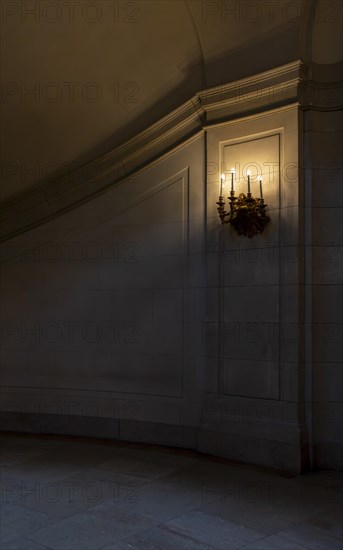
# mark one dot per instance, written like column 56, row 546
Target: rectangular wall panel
column 249, row 277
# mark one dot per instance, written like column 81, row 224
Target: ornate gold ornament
column 247, row 214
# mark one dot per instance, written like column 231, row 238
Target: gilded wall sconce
column 247, row 214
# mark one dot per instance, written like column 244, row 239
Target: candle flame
column 223, row 177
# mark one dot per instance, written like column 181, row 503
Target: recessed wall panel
column 250, row 276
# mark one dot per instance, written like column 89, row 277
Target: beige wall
column 254, row 369
column 323, row 183
column 121, row 318
column 136, row 315
column 78, row 80
column 103, row 308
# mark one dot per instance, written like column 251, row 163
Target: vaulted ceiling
column 80, row 78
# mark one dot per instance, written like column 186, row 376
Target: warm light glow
column 247, row 214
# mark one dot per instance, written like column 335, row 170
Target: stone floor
column 73, row 493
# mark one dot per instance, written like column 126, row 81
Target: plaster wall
column 137, row 316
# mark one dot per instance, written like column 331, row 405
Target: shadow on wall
column 272, row 50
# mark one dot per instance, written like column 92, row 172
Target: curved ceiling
column 79, row 78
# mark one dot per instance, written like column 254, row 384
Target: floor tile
column 312, row 537
column 41, row 469
column 162, row 502
column 80, row 492
column 23, row 543
column 331, row 521
column 214, row 531
column 274, row 542
column 66, row 493
column 16, row 521
column 272, row 506
column 103, row 525
column 159, row 538
column 138, row 468
column 329, row 480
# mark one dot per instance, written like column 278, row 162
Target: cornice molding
column 249, row 96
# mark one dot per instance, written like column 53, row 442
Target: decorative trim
column 249, row 96
column 281, row 455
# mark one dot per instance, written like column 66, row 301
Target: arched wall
column 103, row 309
column 121, row 316
column 78, row 81
column 116, row 314
column 131, row 316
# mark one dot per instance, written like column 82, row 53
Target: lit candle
column 248, row 173
column 222, row 179
column 232, row 173
column 260, row 180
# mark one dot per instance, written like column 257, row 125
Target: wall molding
column 250, row 96
column 281, row 455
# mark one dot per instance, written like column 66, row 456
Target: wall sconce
column 247, row 214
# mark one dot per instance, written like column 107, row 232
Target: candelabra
column 247, row 214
